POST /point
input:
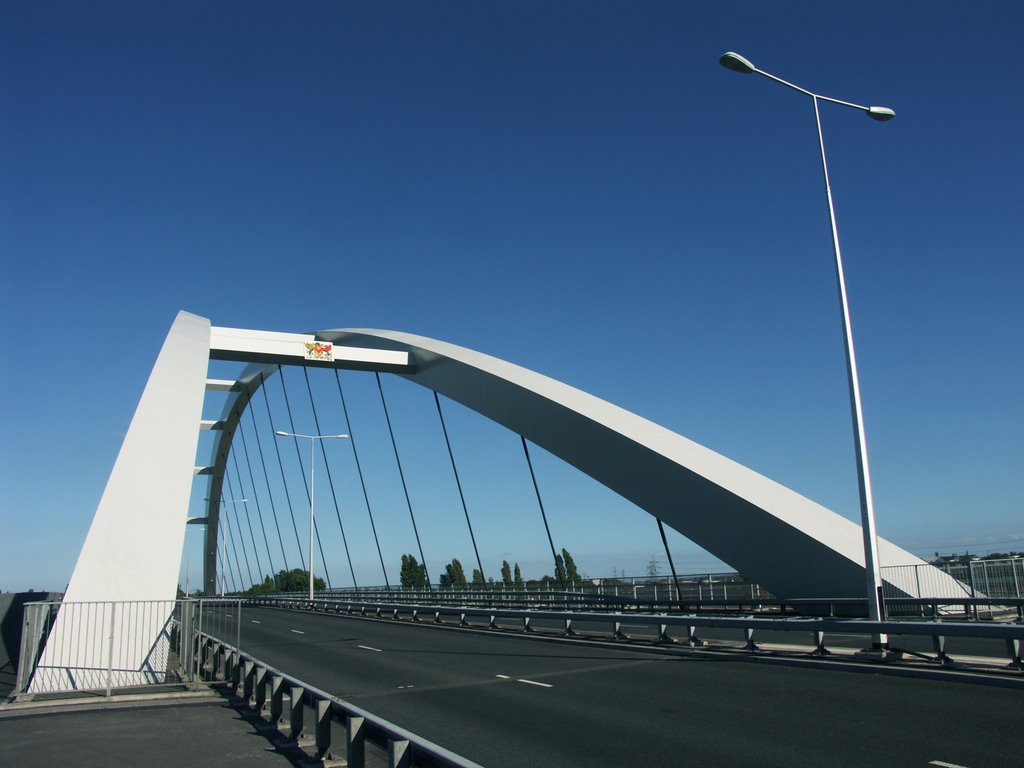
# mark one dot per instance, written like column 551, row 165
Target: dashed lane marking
column 528, row 682
column 370, row 648
column 534, row 682
column 297, row 631
column 945, row 765
column 255, row 622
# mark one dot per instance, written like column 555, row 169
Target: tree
column 517, row 577
column 414, row 573
column 506, row 573
column 295, row 580
column 570, row 566
column 454, row 575
column 478, row 576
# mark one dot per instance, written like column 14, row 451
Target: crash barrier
column 283, row 700
column 107, row 646
column 673, row 628
column 964, row 607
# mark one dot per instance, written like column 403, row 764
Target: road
column 506, row 700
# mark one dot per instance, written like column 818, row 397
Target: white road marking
column 229, row 615
column 255, row 622
column 504, row 677
column 406, row 686
column 534, row 682
column 945, row 765
column 297, row 632
column 369, row 648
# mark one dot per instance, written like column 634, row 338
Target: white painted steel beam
column 133, row 549
column 789, row 544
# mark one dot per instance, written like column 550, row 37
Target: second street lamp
column 736, row 63
column 312, row 459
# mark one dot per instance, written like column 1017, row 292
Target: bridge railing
column 738, row 601
column 671, row 628
column 284, row 699
column 109, row 646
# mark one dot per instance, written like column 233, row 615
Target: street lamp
column 737, row 63
column 312, row 458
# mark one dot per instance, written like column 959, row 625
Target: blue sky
column 579, row 188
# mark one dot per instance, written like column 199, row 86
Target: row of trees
column 414, row 574
column 295, row 580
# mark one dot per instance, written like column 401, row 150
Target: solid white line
column 534, row 682
column 945, row 765
column 368, row 648
column 297, row 632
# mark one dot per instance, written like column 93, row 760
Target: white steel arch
column 786, row 542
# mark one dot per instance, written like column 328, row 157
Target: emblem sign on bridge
column 321, row 351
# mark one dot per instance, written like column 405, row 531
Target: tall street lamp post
column 738, row 63
column 312, row 459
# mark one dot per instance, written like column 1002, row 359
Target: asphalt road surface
column 505, row 700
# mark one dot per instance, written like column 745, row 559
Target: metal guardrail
column 285, row 699
column 818, row 627
column 895, row 607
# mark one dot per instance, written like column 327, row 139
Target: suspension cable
column 462, row 498
column 401, row 474
column 231, row 538
column 255, row 495
column 671, row 565
column 362, row 481
column 330, row 479
column 225, row 570
column 309, row 498
column 241, row 534
column 284, row 480
column 540, row 503
column 248, row 517
column 266, row 476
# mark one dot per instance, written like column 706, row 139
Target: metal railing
column 110, row 646
column 979, row 578
column 283, row 700
column 691, row 588
column 665, row 624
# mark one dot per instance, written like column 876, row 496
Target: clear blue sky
column 576, row 187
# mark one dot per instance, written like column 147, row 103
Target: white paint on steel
column 133, row 549
column 789, row 544
column 252, row 346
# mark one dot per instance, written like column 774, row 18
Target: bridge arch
column 773, row 535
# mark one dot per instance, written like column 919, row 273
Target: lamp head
column 279, row 433
column 881, row 113
column 736, row 63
